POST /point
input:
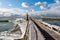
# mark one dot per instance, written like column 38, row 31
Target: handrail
column 52, row 27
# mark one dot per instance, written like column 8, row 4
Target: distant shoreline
column 50, row 18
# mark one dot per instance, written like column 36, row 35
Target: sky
column 21, row 4
column 37, row 7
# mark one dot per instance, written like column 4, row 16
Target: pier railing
column 52, row 27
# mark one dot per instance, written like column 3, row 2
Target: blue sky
column 34, row 7
column 17, row 3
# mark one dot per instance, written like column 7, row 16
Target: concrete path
column 34, row 33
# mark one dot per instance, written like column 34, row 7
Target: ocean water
column 53, row 22
column 4, row 26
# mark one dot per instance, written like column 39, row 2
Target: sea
column 53, row 22
column 5, row 26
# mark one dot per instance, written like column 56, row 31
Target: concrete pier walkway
column 34, row 33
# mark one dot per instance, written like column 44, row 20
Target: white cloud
column 12, row 11
column 57, row 1
column 50, row 9
column 38, row 4
column 41, row 4
column 24, row 4
column 41, row 7
column 54, row 10
column 7, row 14
column 44, row 3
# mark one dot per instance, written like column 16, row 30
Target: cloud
column 41, row 7
column 38, row 4
column 7, row 14
column 41, row 4
column 57, row 1
column 55, row 10
column 24, row 4
column 12, row 11
column 44, row 3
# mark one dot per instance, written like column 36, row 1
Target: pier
column 34, row 30
column 39, row 30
